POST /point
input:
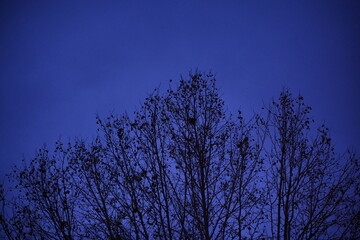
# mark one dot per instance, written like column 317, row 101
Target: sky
column 63, row 62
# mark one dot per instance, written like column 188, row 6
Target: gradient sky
column 62, row 62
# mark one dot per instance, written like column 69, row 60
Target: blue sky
column 62, row 62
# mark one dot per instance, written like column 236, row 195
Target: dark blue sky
column 61, row 62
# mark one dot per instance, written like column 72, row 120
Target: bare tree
column 182, row 167
column 44, row 206
column 94, row 180
column 306, row 185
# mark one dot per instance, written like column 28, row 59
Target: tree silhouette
column 307, row 189
column 181, row 167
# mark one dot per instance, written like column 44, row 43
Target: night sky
column 63, row 62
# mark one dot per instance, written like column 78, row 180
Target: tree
column 44, row 204
column 307, row 188
column 181, row 167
